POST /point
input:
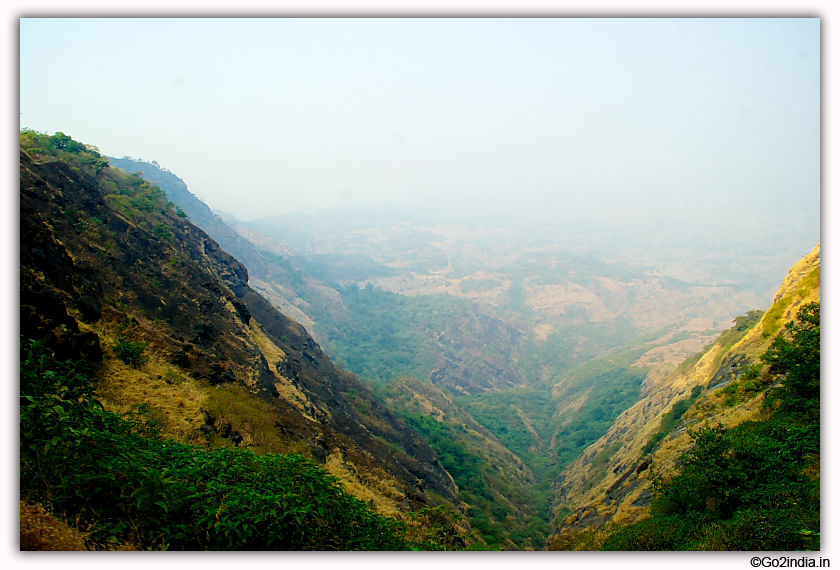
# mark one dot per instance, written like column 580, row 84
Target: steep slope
column 270, row 273
column 107, row 263
column 610, row 483
column 198, row 212
column 495, row 487
column 523, row 370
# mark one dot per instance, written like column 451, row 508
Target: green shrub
column 163, row 231
column 131, row 352
column 660, row 533
column 795, row 355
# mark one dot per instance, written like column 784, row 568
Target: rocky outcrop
column 199, row 213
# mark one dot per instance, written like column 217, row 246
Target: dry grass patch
column 382, row 494
column 174, row 400
column 590, row 538
column 254, row 418
column 273, row 354
column 40, row 530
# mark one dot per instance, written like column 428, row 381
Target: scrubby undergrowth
column 89, row 465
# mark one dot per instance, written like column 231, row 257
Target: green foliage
column 610, row 392
column 609, row 389
column 493, row 496
column 38, row 145
column 383, row 335
column 162, row 231
column 741, row 326
column 62, row 145
column 497, row 411
column 130, row 194
column 798, row 360
column 455, row 458
column 146, row 420
column 131, row 352
column 141, row 201
column 94, row 467
column 755, row 486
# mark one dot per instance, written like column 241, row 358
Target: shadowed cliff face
column 462, row 362
column 86, row 258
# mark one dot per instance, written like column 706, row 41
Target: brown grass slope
column 610, row 482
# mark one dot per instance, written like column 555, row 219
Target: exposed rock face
column 83, row 261
column 473, row 355
column 488, row 344
column 51, row 282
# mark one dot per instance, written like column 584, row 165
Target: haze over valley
column 420, row 284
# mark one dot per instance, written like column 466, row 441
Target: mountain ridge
column 189, row 301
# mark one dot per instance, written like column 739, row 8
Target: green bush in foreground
column 90, row 466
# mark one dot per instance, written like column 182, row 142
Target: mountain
column 496, row 488
column 615, row 481
column 469, row 351
column 511, row 361
column 539, row 348
column 115, row 273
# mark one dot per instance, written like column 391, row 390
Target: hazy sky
column 270, row 116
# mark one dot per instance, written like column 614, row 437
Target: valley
column 416, row 283
column 536, row 347
column 480, row 371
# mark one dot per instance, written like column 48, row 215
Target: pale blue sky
column 264, row 117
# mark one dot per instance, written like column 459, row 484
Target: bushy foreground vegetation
column 755, row 486
column 92, row 468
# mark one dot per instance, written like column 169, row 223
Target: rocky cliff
column 106, row 258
